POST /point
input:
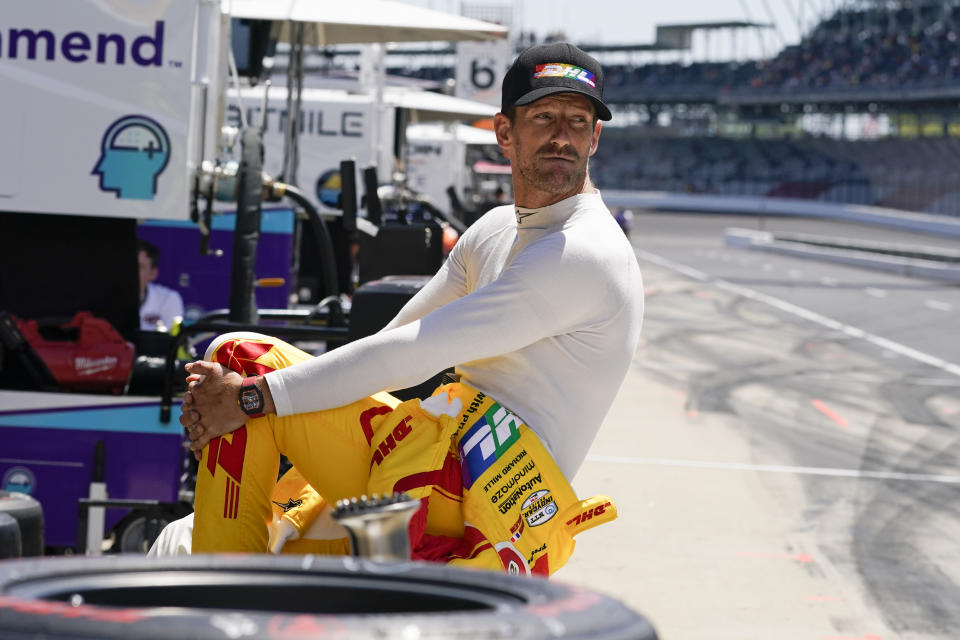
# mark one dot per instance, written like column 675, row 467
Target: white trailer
column 112, row 102
column 438, row 157
column 338, row 124
column 120, row 103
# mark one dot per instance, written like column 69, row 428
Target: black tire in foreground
column 287, row 597
column 10, row 545
column 29, row 516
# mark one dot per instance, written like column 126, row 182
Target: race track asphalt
column 783, row 457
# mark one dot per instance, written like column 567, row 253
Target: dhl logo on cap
column 560, row 70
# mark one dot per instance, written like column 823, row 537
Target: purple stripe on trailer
column 53, row 460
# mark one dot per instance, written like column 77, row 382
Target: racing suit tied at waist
column 513, row 492
column 493, row 498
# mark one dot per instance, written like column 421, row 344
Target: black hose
column 325, row 242
column 247, row 231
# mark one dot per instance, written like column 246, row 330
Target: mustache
column 568, row 153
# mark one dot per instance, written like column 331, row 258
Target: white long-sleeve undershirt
column 543, row 314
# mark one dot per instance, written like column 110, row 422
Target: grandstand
column 914, row 175
column 862, row 110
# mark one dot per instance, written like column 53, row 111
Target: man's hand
column 210, row 406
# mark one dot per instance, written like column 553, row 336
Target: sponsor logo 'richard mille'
column 486, row 441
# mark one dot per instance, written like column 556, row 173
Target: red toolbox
column 86, row 354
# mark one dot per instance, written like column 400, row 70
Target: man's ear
column 504, row 131
column 595, row 141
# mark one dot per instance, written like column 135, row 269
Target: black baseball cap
column 557, row 67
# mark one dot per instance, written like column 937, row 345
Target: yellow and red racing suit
column 491, row 494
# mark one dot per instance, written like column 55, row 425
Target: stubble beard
column 558, row 180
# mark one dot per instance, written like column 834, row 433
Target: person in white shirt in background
column 160, row 306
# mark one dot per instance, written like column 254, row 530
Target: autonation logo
column 77, row 46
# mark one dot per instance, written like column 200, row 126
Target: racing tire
column 10, row 546
column 29, row 516
column 137, row 532
column 263, row 596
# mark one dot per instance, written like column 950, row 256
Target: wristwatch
column 250, row 398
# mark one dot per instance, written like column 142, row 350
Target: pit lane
column 784, row 450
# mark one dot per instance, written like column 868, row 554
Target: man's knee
column 233, row 335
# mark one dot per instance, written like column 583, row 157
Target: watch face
column 251, row 400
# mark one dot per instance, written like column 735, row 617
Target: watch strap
column 250, row 398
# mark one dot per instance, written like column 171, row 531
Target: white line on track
column 806, row 314
column 938, row 305
column 874, row 292
column 777, row 468
column 936, row 382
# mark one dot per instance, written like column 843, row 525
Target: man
column 539, row 307
column 160, row 306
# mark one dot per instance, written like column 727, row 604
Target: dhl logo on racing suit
column 583, row 516
column 388, row 444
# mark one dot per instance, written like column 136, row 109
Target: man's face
column 550, row 142
column 148, row 272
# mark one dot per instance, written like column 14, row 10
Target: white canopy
column 462, row 132
column 426, row 106
column 361, row 21
column 429, row 106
